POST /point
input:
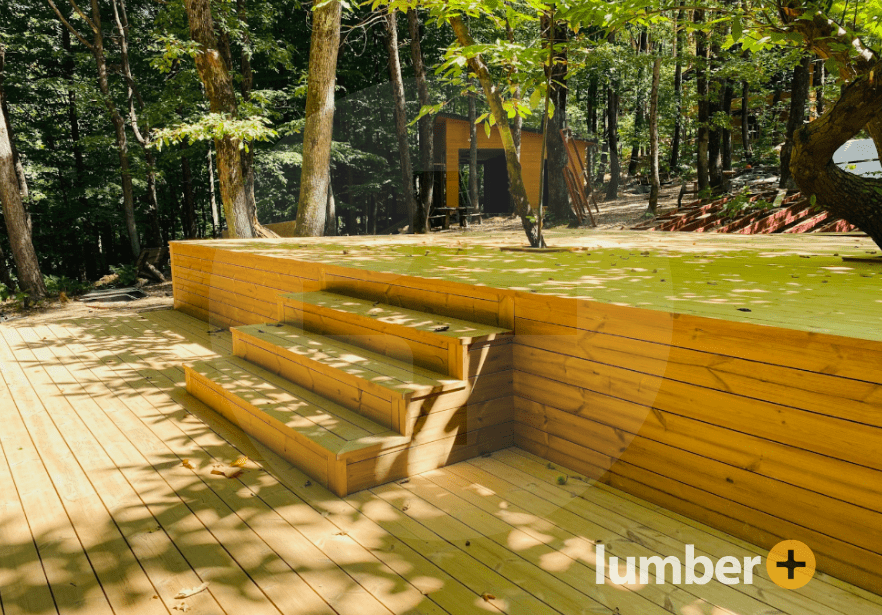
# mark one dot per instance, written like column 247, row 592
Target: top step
column 431, row 341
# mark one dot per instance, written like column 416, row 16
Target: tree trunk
column 426, row 128
column 612, row 138
column 678, row 93
column 331, row 213
column 189, row 200
column 517, row 122
column 556, row 159
column 745, row 122
column 16, row 218
column 703, row 103
column 716, row 89
column 821, row 81
column 218, row 83
column 726, row 132
column 473, row 156
column 798, row 99
column 400, row 113
column 653, row 138
column 856, row 199
column 639, row 112
column 122, row 146
column 19, row 167
column 604, row 150
column 212, row 199
column 318, row 132
column 517, row 189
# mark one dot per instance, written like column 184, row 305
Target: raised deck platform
column 100, row 516
column 763, row 422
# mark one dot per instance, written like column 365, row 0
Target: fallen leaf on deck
column 186, row 463
column 183, row 607
column 240, row 462
column 228, row 472
column 442, row 328
column 488, row 597
column 186, row 593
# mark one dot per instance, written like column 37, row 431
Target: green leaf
column 487, row 129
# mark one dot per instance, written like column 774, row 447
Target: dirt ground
column 622, row 213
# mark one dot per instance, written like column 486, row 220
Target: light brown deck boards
column 127, row 424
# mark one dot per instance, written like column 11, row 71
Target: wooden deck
column 98, row 514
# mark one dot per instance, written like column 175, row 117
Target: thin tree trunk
column 798, row 99
column 16, row 218
column 745, row 121
column 557, row 160
column 473, row 155
column 96, row 262
column 703, row 137
column 821, row 73
column 612, row 131
column 212, row 199
column 122, row 147
column 518, row 190
column 426, row 128
column 318, row 132
column 653, row 138
column 331, row 213
column 726, row 132
column 215, row 76
column 604, row 150
column 400, row 113
column 189, row 199
column 678, row 92
column 517, row 122
column 639, row 111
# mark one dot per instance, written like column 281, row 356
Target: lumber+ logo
column 790, row 564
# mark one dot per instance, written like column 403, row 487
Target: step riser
column 446, row 355
column 319, row 464
column 396, row 412
column 439, row 439
column 375, row 404
column 396, row 465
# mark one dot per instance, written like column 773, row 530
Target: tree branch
column 70, row 27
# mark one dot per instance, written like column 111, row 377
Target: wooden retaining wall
column 764, row 433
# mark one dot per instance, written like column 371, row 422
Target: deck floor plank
column 98, row 411
column 71, row 577
column 290, row 546
column 605, row 502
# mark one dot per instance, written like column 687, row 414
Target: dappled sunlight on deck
column 110, row 507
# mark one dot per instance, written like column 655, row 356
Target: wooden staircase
column 357, row 393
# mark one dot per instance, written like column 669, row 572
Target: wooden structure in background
column 451, row 151
column 765, row 433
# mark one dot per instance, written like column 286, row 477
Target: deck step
column 450, row 346
column 390, row 392
column 334, row 446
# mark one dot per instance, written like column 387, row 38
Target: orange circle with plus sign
column 791, row 564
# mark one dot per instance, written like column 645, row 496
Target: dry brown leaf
column 186, row 463
column 488, row 597
column 227, row 472
column 240, row 462
column 186, row 593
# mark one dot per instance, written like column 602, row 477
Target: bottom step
column 336, row 447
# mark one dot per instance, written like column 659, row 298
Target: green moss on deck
column 792, row 281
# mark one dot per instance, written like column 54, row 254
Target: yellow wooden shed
column 452, row 153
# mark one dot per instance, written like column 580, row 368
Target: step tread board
column 319, row 419
column 422, row 324
column 396, row 376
